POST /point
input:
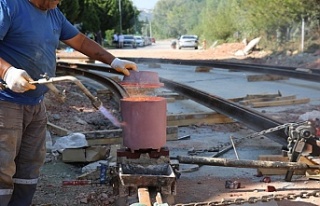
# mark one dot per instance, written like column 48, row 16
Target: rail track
column 249, row 117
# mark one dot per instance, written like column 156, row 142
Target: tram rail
column 249, row 117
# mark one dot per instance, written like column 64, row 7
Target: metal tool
column 49, row 83
column 102, row 180
column 234, row 147
column 297, row 139
column 60, row 95
column 2, row 86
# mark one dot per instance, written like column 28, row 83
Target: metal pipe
column 234, row 147
column 291, row 166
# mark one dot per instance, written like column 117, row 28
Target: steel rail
column 116, row 88
column 105, row 68
column 294, row 72
column 251, row 118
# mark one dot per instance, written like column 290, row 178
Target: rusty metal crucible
column 145, row 122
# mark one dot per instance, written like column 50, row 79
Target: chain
column 253, row 200
column 265, row 198
column 256, row 134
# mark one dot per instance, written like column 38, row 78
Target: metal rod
column 234, row 147
column 94, row 100
column 245, row 163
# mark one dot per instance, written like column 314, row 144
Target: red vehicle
column 153, row 40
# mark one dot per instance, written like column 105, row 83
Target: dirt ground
column 77, row 115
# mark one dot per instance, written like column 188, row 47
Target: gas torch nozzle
column 96, row 103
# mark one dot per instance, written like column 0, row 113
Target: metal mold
column 147, row 176
column 143, row 79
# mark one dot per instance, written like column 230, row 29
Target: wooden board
column 265, row 77
column 266, row 99
column 202, row 118
column 103, row 137
column 57, row 130
column 280, row 103
column 274, row 171
column 255, row 96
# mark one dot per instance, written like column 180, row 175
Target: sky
column 144, row 4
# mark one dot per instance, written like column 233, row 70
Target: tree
column 71, row 9
column 100, row 15
column 173, row 18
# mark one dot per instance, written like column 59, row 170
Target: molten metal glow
column 143, row 99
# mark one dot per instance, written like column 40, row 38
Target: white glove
column 123, row 66
column 18, row 80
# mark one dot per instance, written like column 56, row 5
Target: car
column 129, row 41
column 139, row 41
column 186, row 41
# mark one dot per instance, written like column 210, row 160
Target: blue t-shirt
column 29, row 38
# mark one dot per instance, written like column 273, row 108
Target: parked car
column 139, row 41
column 129, row 41
column 188, row 41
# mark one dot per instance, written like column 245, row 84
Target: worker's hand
column 18, row 80
column 123, row 66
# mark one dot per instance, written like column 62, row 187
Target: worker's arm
column 93, row 50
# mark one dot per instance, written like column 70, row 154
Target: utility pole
column 150, row 27
column 120, row 19
column 149, row 19
column 302, row 34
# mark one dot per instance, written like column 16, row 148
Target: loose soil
column 77, row 114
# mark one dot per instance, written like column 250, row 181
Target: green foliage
column 89, row 15
column 234, row 20
column 100, row 15
column 173, row 18
column 71, row 9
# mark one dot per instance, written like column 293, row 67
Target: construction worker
column 30, row 31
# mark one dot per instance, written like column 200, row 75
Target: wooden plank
column 265, row 77
column 105, row 141
column 144, row 196
column 311, row 174
column 280, row 103
column 103, row 137
column 176, row 96
column 266, row 99
column 203, row 69
column 189, row 119
column 57, row 130
column 272, row 171
column 170, row 99
column 255, row 96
